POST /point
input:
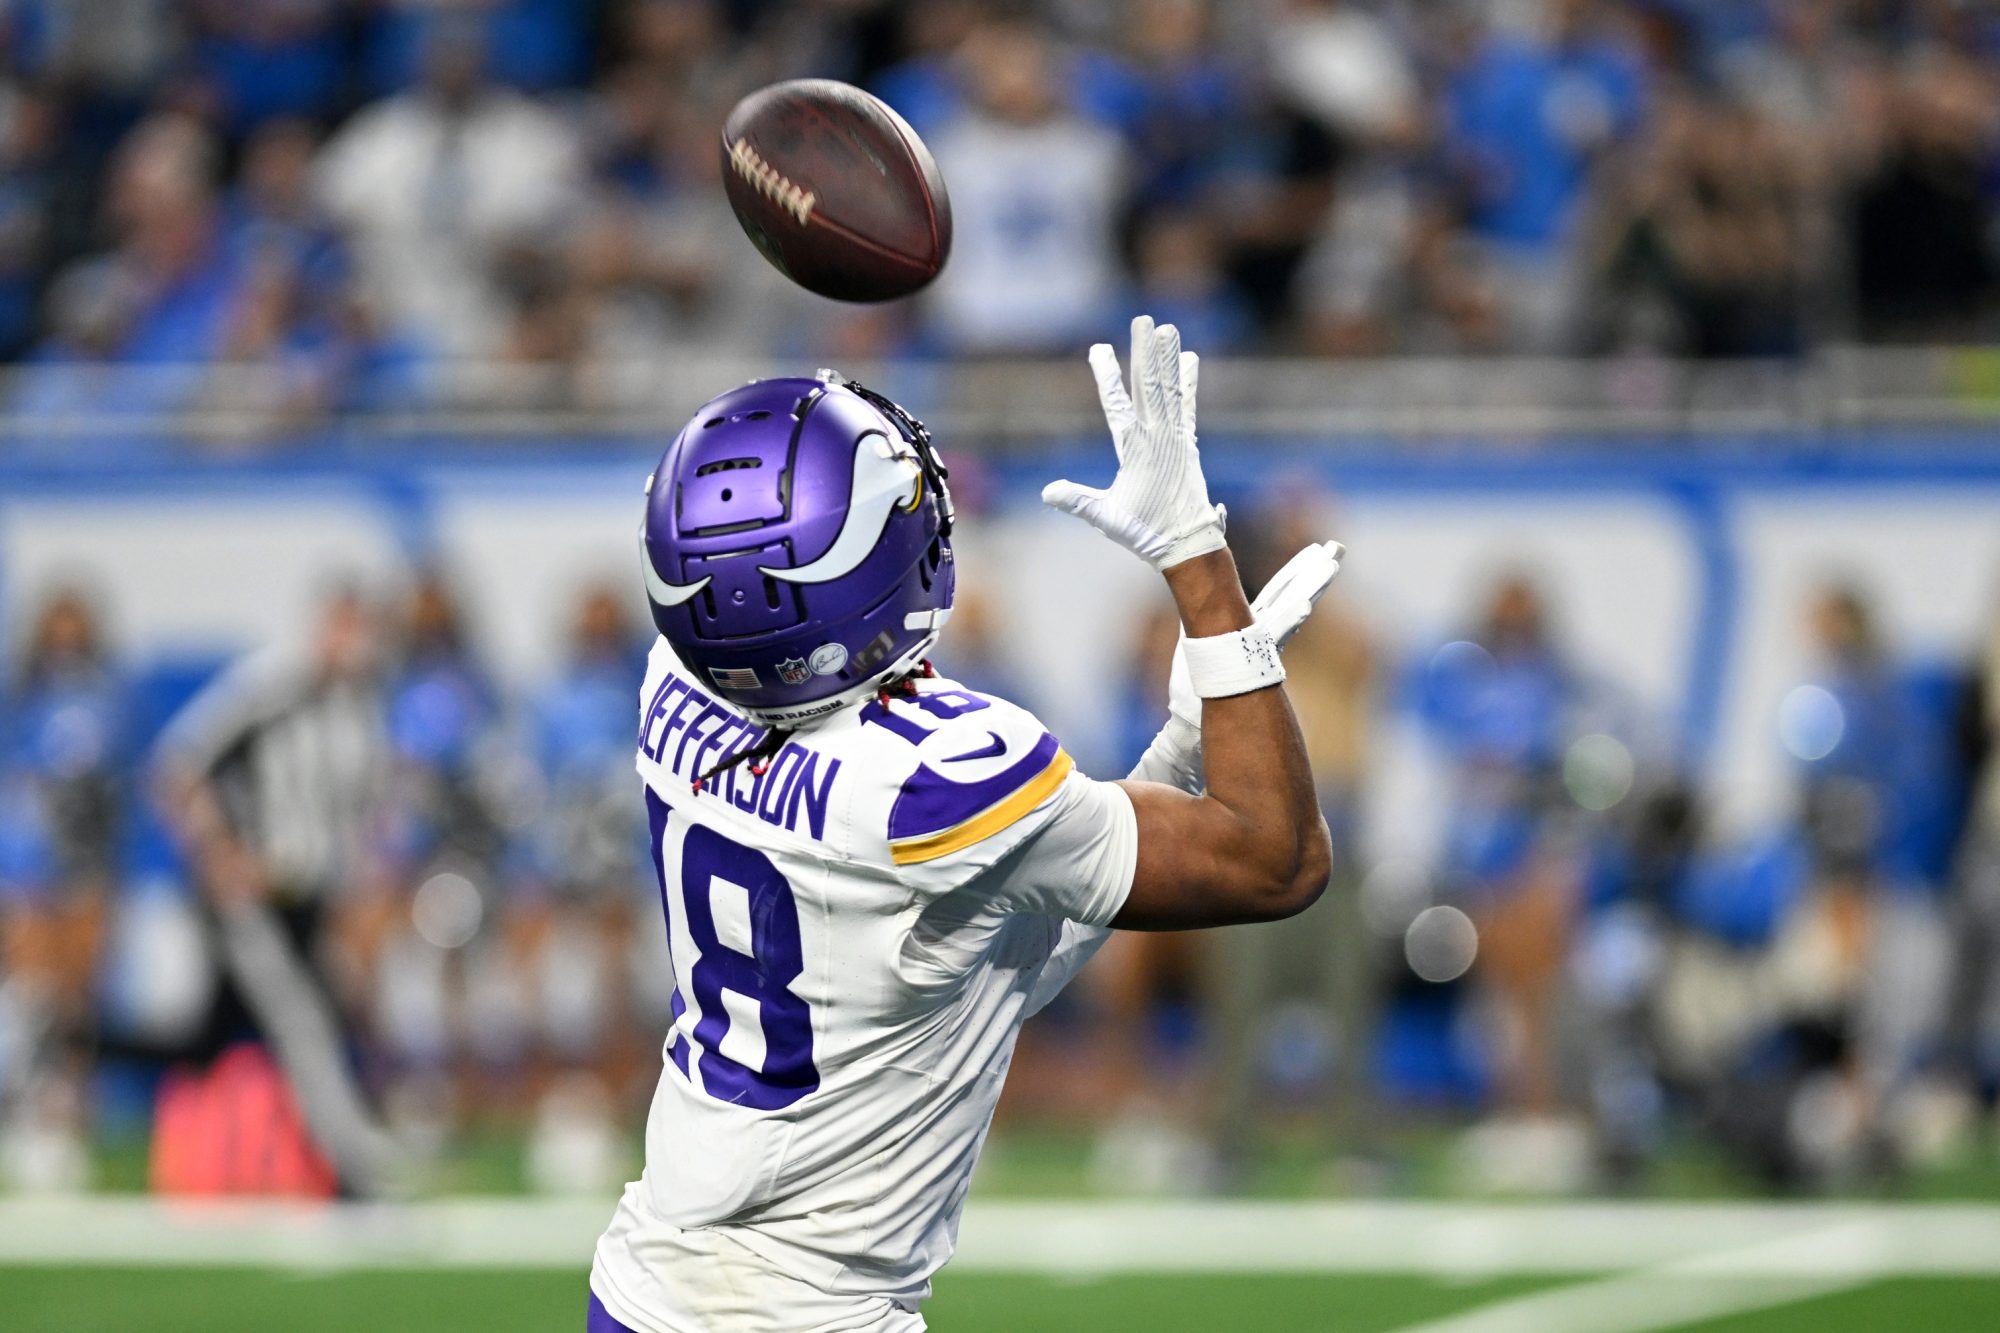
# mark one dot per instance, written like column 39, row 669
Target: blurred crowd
column 461, row 879
column 431, row 902
column 1587, row 954
column 293, row 208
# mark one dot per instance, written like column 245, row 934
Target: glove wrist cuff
column 1231, row 664
column 1208, row 537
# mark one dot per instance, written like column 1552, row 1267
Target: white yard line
column 1714, row 1243
column 1815, row 1262
column 1635, row 1303
column 1471, row 1241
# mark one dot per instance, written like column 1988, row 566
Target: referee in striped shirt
column 273, row 776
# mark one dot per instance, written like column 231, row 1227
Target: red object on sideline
column 235, row 1129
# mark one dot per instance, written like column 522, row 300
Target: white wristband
column 1231, row 664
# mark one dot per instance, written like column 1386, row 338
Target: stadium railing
column 998, row 404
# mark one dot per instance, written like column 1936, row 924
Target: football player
column 872, row 875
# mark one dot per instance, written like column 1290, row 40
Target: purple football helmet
column 797, row 545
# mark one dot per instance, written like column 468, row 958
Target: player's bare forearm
column 1208, row 595
column 1255, row 846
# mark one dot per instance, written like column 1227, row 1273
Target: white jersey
column 857, row 935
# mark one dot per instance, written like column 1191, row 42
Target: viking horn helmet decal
column 886, row 477
column 662, row 592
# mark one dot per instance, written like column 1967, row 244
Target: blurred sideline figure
column 422, row 937
column 274, row 776
column 594, row 989
column 62, row 751
column 1501, row 705
column 1862, row 963
column 1292, row 1008
column 1506, row 853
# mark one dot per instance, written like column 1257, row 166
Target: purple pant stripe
column 601, row 1320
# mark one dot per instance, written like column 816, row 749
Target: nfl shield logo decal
column 794, row 671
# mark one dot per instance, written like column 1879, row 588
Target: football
column 836, row 190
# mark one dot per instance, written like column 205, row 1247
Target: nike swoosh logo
column 983, row 752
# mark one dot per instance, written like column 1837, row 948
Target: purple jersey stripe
column 931, row 803
column 677, row 1049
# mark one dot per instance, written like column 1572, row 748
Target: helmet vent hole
column 759, row 415
column 711, row 423
column 708, row 600
column 726, row 493
column 770, row 592
column 936, row 553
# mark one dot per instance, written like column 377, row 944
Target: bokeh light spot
column 1441, row 944
column 1811, row 722
column 1597, row 770
column 447, row 910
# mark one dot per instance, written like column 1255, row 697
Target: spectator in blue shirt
column 532, row 45
column 424, row 939
column 1854, row 740
column 1526, row 121
column 1192, row 103
column 1498, row 706
column 442, row 711
column 270, row 58
column 273, row 208
column 297, row 312
column 583, row 720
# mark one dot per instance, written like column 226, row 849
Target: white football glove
column 1157, row 506
column 1279, row 610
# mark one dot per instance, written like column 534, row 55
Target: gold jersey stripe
column 987, row 822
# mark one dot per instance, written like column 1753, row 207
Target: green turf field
column 88, row 1300
column 481, row 1264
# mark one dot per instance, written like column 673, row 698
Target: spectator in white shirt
column 1036, row 196
column 437, row 185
